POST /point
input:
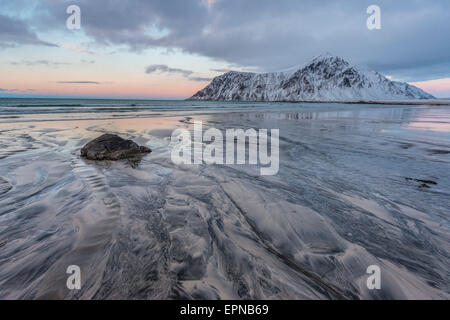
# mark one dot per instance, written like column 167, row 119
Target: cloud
column 40, row 62
column 16, row 90
column 200, row 79
column 166, row 69
column 80, row 48
column 47, row 63
column 271, row 35
column 209, row 3
column 79, row 82
column 14, row 32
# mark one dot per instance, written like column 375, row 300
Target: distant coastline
column 431, row 102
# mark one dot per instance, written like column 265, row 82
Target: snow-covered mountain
column 325, row 78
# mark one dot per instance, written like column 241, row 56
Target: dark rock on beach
column 112, row 147
column 423, row 183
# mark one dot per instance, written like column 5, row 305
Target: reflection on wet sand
column 347, row 195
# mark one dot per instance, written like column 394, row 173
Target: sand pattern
column 347, row 196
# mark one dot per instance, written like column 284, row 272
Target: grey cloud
column 14, row 32
column 15, row 90
column 79, row 82
column 47, row 63
column 200, row 79
column 39, row 62
column 166, row 69
column 272, row 35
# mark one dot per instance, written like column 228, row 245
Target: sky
column 169, row 49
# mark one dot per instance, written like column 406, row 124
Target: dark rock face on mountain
column 112, row 147
column 325, row 78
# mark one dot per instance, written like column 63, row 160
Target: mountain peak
column 325, row 55
column 329, row 58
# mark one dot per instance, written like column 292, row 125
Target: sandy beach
column 349, row 194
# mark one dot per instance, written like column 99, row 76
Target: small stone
column 112, row 147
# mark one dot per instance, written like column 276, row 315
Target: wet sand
column 348, row 195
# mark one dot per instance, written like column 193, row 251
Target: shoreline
column 235, row 107
column 435, row 102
